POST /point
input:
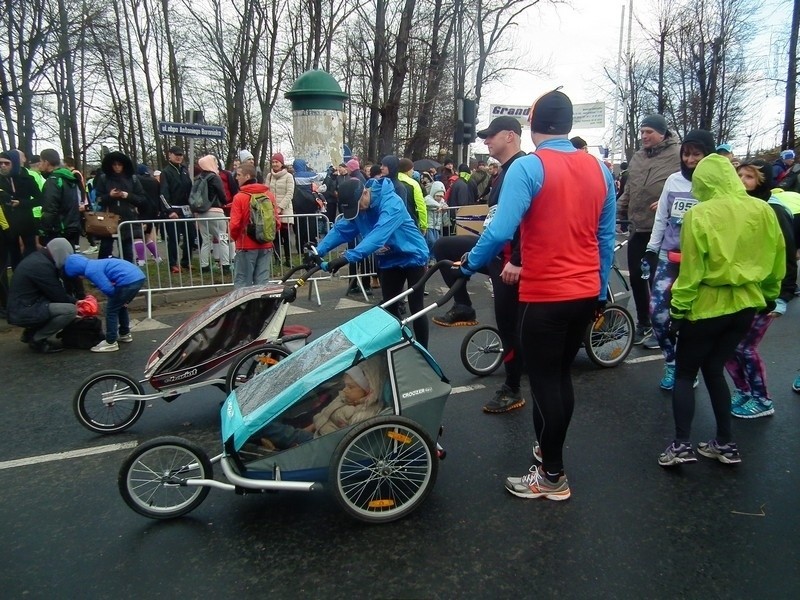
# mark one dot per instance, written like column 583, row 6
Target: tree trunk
column 788, row 136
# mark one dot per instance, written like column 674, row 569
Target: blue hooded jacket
column 104, row 273
column 386, row 229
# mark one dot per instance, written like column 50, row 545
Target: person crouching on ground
column 378, row 214
column 120, row 281
column 253, row 260
column 38, row 299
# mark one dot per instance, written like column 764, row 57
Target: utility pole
column 619, row 88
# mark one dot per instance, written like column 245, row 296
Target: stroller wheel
column 106, row 402
column 482, row 351
column 153, row 479
column 383, row 469
column 253, row 362
column 609, row 338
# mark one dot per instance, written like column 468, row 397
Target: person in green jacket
column 732, row 263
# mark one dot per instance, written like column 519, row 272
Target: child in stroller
column 342, row 402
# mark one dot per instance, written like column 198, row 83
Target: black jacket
column 152, row 190
column 176, row 185
column 36, row 283
column 23, row 188
column 60, row 201
column 126, row 208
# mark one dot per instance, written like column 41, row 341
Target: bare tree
column 788, row 134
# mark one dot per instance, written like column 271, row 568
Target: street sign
column 585, row 116
column 191, row 130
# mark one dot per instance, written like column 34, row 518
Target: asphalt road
column 631, row 529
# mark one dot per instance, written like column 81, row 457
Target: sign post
column 191, row 131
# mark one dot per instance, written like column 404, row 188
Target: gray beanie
column 656, row 122
column 59, row 250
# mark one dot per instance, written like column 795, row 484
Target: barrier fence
column 180, row 243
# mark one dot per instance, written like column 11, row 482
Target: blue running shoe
column 753, row 408
column 796, row 384
column 739, row 398
column 668, row 380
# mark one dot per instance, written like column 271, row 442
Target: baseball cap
column 176, row 150
column 724, row 148
column 350, row 191
column 499, row 124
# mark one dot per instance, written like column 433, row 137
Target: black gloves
column 335, row 264
column 311, row 258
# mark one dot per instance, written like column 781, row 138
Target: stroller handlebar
column 439, row 266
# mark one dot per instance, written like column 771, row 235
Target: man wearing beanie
column 650, row 166
column 567, row 246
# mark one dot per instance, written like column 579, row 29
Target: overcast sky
column 571, row 45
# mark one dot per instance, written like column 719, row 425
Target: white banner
column 585, row 116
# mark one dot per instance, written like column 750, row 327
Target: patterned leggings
column 660, row 296
column 746, row 368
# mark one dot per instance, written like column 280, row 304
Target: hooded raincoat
column 386, row 229
column 732, row 249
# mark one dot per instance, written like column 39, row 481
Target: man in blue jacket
column 379, row 216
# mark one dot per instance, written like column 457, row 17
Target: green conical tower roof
column 316, row 89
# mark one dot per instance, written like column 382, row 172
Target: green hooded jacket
column 732, row 250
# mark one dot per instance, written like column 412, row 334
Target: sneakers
column 104, row 346
column 175, row 269
column 91, row 250
column 140, row 263
column 753, row 408
column 739, row 397
column 125, row 339
column 668, row 380
column 650, row 342
column 677, row 453
column 728, row 454
column 458, row 316
column 504, row 400
column 796, row 384
column 536, row 485
column 642, row 331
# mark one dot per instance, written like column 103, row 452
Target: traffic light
column 468, row 121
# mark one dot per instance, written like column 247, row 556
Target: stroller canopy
column 255, row 404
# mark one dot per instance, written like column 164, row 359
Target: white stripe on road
column 33, row 460
column 641, row 359
column 467, row 388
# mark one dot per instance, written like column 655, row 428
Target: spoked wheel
column 113, row 415
column 482, row 351
column 383, row 469
column 152, row 480
column 253, row 362
column 609, row 339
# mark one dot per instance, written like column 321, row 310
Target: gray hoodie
column 59, row 249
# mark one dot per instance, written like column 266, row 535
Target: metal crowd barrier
column 287, row 253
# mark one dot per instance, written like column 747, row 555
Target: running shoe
column 104, row 346
column 796, row 384
column 125, row 339
column 504, row 400
column 668, row 380
column 753, row 408
column 537, row 452
column 727, row 453
column 677, row 453
column 739, row 398
column 458, row 316
column 650, row 342
column 641, row 332
column 536, row 485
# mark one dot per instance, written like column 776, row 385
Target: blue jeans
column 117, row 316
column 252, row 267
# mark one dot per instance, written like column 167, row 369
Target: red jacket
column 240, row 216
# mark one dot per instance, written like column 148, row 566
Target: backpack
column 261, row 227
column 198, row 197
column 82, row 333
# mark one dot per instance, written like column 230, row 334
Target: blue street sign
column 191, row 130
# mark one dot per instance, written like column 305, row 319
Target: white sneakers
column 104, row 346
column 126, row 339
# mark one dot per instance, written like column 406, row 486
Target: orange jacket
column 240, row 216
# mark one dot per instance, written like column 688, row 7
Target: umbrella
column 424, row 164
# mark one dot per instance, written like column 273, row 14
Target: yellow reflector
column 399, row 437
column 267, row 360
column 380, row 503
column 616, row 352
column 599, row 323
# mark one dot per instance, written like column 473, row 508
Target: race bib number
column 680, row 206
